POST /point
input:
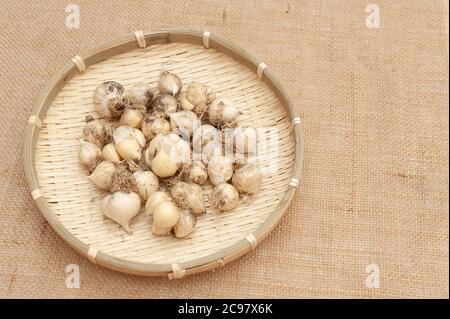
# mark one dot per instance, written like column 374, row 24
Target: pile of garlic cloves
column 159, row 146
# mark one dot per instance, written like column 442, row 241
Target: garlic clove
column 153, row 200
column 169, row 83
column 131, row 117
column 220, row 170
column 146, row 182
column 223, row 112
column 185, row 104
column 195, row 173
column 128, row 142
column 94, row 131
column 121, row 207
column 188, row 196
column 102, row 175
column 110, row 153
column 210, row 94
column 108, row 99
column 153, row 125
column 204, row 134
column 247, row 179
column 184, row 122
column 224, row 197
column 90, row 154
column 164, row 231
column 163, row 165
column 165, row 214
column 139, row 94
column 197, row 93
column 164, row 104
column 185, row 225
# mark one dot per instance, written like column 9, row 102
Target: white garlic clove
column 172, row 145
column 169, row 83
column 94, row 131
column 223, row 112
column 185, row 225
column 163, row 165
column 131, row 117
column 110, row 153
column 121, row 207
column 164, row 104
column 164, row 231
column 153, row 125
column 224, row 197
column 220, row 170
column 185, row 104
column 188, row 196
column 90, row 154
column 139, row 94
column 129, row 142
column 153, row 200
column 197, row 93
column 102, row 175
column 108, row 99
column 146, row 182
column 247, row 179
column 165, row 214
column 245, row 140
column 184, row 122
column 195, row 173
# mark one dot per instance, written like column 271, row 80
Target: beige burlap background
column 374, row 103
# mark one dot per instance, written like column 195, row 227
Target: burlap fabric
column 374, row 103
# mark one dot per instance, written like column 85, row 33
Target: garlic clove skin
column 90, row 154
column 197, row 93
column 184, row 122
column 94, row 131
column 153, row 125
column 108, row 99
column 185, row 225
column 245, row 140
column 128, row 142
column 153, row 200
column 188, row 196
column 110, row 153
column 195, row 173
column 139, row 94
column 121, row 207
column 165, row 214
column 224, row 197
column 247, row 179
column 161, row 231
column 164, row 104
column 131, row 117
column 220, row 170
column 146, row 182
column 185, row 104
column 223, row 112
column 169, row 83
column 102, row 175
column 210, row 94
column 163, row 165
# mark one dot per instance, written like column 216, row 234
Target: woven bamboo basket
column 71, row 203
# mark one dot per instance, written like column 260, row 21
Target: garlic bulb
column 94, row 131
column 102, row 175
column 188, row 196
column 184, row 122
column 154, row 199
column 245, row 140
column 224, row 197
column 129, row 142
column 121, row 207
column 185, row 225
column 110, row 153
column 132, row 117
column 223, row 112
column 164, row 231
column 90, row 154
column 165, row 214
column 185, row 104
column 164, row 104
column 247, row 179
column 197, row 93
column 139, row 94
column 169, row 83
column 153, row 125
column 195, row 173
column 172, row 145
column 163, row 165
column 146, row 182
column 108, row 99
column 220, row 170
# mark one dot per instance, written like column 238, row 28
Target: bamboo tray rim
column 123, row 44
